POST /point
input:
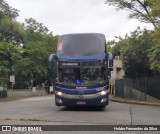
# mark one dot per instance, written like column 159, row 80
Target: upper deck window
column 81, row 44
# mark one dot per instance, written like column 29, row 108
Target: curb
column 134, row 102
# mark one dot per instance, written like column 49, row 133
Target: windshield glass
column 81, row 73
column 93, row 72
column 81, row 44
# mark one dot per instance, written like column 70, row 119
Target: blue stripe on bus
column 81, row 58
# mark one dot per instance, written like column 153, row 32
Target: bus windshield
column 81, row 44
column 82, row 73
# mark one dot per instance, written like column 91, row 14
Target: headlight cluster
column 59, row 93
column 103, row 92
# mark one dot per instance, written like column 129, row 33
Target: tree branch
column 144, row 5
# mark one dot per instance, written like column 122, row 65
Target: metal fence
column 145, row 89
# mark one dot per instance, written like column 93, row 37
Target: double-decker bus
column 82, row 70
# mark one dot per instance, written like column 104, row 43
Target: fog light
column 103, row 93
column 104, row 100
column 59, row 101
column 59, row 93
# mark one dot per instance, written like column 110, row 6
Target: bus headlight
column 103, row 92
column 59, row 93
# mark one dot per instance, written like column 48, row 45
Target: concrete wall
column 135, row 94
column 117, row 63
column 120, row 74
column 26, row 93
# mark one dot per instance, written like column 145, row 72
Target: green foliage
column 155, row 12
column 110, row 45
column 140, row 52
column 133, row 51
column 24, row 49
column 7, row 11
column 33, row 70
column 11, row 31
column 9, row 56
column 154, row 52
column 39, row 43
column 33, row 26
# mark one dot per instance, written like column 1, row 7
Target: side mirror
column 110, row 59
column 51, row 60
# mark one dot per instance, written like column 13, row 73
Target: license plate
column 81, row 102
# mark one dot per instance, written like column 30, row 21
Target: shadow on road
column 98, row 109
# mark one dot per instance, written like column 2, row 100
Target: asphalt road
column 42, row 111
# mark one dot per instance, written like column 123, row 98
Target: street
column 42, row 111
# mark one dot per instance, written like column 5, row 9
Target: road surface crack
column 131, row 115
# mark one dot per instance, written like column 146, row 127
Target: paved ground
column 42, row 111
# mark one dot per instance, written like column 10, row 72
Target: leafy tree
column 33, row 66
column 154, row 52
column 143, row 10
column 39, row 43
column 7, row 11
column 133, row 51
column 155, row 12
column 33, row 26
column 10, row 30
column 109, row 45
column 24, row 49
column 34, row 30
column 140, row 52
column 9, row 56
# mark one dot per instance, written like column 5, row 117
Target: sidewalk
column 116, row 99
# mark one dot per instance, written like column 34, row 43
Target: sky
column 77, row 16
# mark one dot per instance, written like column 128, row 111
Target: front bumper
column 82, row 99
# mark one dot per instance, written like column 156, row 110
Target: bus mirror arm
column 51, row 60
column 110, row 59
